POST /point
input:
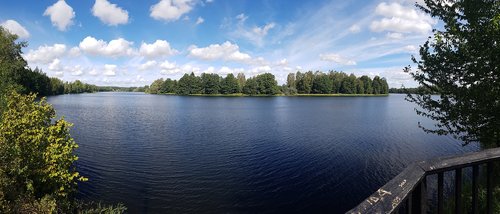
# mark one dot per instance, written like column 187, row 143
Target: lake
column 175, row 154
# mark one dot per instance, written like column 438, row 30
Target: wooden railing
column 406, row 193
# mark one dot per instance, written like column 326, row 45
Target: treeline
column 333, row 82
column 265, row 84
column 29, row 80
column 121, row 89
column 418, row 90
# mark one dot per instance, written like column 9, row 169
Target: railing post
column 458, row 191
column 489, row 188
column 419, row 197
column 440, row 193
column 475, row 189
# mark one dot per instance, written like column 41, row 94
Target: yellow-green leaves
column 36, row 151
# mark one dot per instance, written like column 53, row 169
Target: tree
column 266, row 84
column 460, row 63
column 211, row 83
column 349, row 85
column 367, row 84
column 360, row 87
column 304, row 82
column 251, row 87
column 376, row 85
column 183, row 85
column 321, row 84
column 290, row 80
column 241, row 81
column 230, row 85
column 36, row 153
column 156, row 86
column 169, row 86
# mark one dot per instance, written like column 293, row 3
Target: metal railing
column 406, row 193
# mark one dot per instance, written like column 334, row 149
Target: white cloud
column 209, row 1
column 117, row 47
column 226, row 51
column 167, row 67
column 76, row 70
column 199, row 20
column 55, row 65
column 110, row 70
column 254, row 34
column 147, row 65
column 401, row 19
column 171, row 10
column 410, row 48
column 15, row 28
column 74, row 52
column 394, row 35
column 109, row 14
column 337, row 59
column 241, row 17
column 354, row 28
column 45, row 54
column 61, row 15
column 156, row 49
column 93, row 72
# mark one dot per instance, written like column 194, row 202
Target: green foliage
column 211, row 83
column 251, row 87
column 460, row 63
column 321, row 84
column 266, row 84
column 36, row 154
column 229, row 85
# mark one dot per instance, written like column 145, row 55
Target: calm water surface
column 172, row 154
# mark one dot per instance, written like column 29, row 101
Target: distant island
column 308, row 83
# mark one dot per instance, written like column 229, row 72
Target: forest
column 309, row 82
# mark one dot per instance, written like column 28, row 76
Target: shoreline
column 277, row 95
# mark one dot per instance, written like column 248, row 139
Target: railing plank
column 388, row 198
column 454, row 162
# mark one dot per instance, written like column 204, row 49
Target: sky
column 132, row 43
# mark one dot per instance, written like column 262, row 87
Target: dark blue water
column 172, row 154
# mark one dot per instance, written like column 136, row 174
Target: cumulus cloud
column 337, row 59
column 171, row 10
column 157, row 49
column 117, row 47
column 15, row 28
column 199, row 20
column 167, row 67
column 45, row 54
column 226, row 51
column 110, row 70
column 109, row 14
column 61, row 15
column 55, row 65
column 401, row 19
column 147, row 65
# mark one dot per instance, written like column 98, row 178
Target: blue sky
column 132, row 43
